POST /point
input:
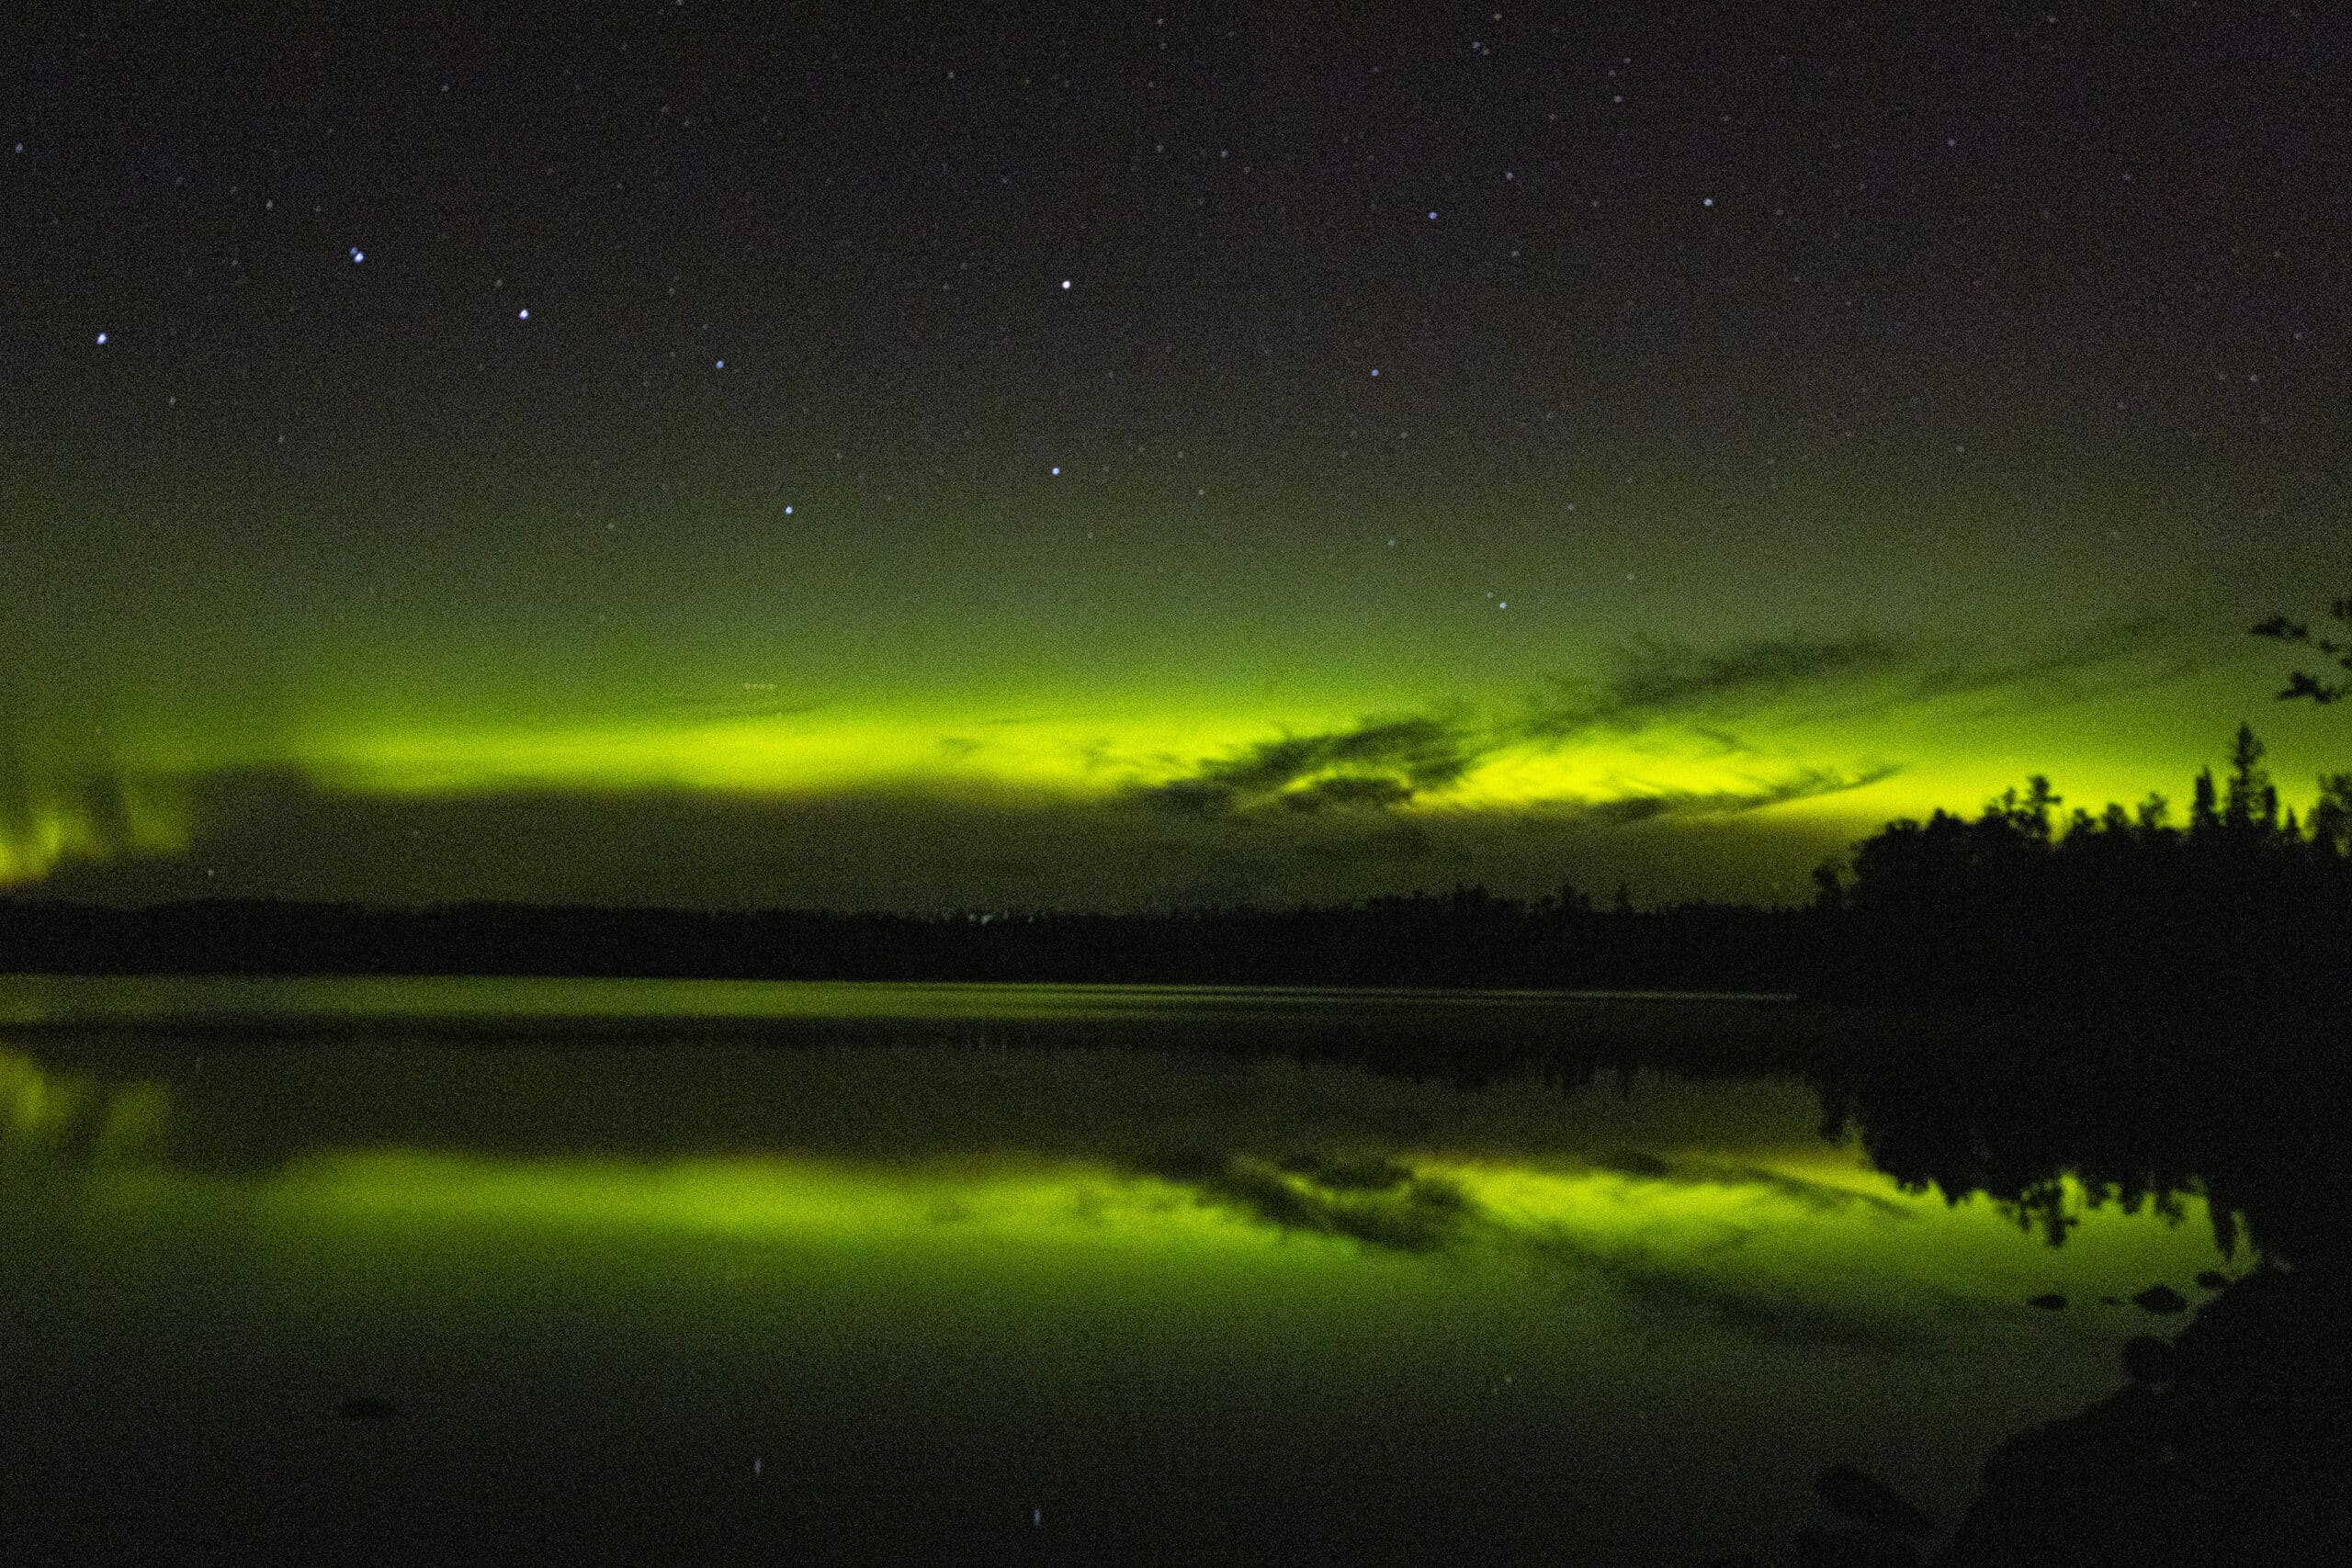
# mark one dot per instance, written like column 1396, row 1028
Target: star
column 358, row 255
column 102, row 340
column 524, row 314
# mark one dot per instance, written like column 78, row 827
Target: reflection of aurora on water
column 1777, row 1240
column 1768, row 1252
column 45, row 1113
column 1160, row 1297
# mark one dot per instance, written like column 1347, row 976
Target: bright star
column 1055, row 469
column 358, row 255
column 1065, row 283
column 102, row 338
column 524, row 314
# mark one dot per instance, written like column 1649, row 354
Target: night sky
column 692, row 453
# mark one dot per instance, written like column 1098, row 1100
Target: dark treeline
column 1467, row 938
column 2241, row 903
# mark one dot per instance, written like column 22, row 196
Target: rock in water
column 2048, row 1301
column 2162, row 1300
column 1868, row 1501
column 367, row 1407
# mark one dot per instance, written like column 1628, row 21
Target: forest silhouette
column 2243, row 904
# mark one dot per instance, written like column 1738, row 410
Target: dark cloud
column 1654, row 680
column 1806, row 783
column 1379, row 764
column 2126, row 654
column 1390, row 762
column 1385, row 763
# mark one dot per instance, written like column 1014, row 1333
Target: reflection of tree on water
column 2140, row 1111
column 2229, row 1445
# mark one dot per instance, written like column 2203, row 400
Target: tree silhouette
column 2202, row 818
column 2303, row 682
column 2252, row 801
column 2247, row 906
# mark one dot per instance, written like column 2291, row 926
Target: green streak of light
column 1046, row 760
column 1820, row 1230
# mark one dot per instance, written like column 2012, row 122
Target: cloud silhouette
column 1806, row 783
column 1654, row 680
column 2108, row 658
column 1387, row 762
column 1375, row 766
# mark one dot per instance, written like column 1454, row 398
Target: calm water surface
column 695, row 1271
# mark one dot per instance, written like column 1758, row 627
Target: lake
column 625, row 1271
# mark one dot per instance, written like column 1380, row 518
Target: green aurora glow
column 1256, row 745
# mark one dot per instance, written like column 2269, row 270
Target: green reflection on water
column 44, row 1112
column 1770, row 1241
column 1091, row 1152
column 1824, row 1237
column 1264, row 1297
column 386, row 1001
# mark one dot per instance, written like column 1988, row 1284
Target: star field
column 459, row 455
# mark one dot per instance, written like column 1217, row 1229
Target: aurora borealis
column 724, row 455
